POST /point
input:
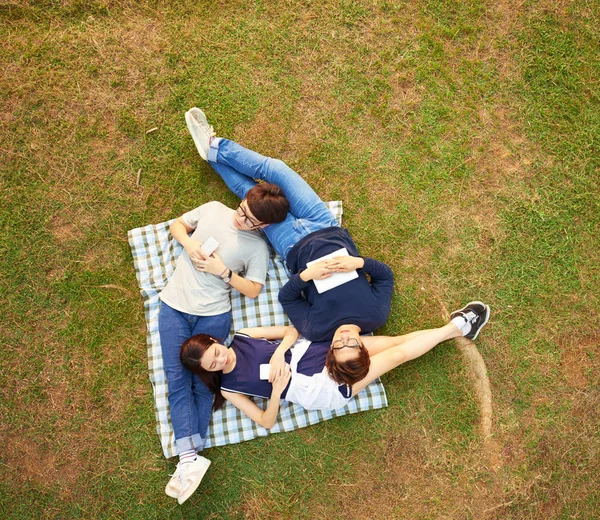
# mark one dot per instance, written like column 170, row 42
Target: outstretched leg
column 392, row 352
column 304, row 202
column 239, row 167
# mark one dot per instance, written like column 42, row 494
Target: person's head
column 348, row 360
column 265, row 204
column 206, row 357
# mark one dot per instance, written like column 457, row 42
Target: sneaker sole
column 191, row 121
column 171, row 492
column 487, row 317
column 189, row 491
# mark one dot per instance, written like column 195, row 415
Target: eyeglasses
column 247, row 219
column 339, row 344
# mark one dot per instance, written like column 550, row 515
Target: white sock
column 462, row 324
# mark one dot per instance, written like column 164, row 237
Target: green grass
column 463, row 139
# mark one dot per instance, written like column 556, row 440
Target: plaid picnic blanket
column 154, row 256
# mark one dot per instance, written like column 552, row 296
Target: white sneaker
column 174, row 486
column 191, row 476
column 200, row 129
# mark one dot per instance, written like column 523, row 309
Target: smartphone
column 209, row 245
column 264, row 371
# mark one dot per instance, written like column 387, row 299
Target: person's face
column 216, row 358
column 244, row 220
column 346, row 342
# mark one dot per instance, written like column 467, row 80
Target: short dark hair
column 190, row 356
column 267, row 203
column 350, row 371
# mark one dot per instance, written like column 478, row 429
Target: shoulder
column 255, row 241
column 215, row 205
column 209, row 206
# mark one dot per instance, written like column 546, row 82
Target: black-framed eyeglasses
column 247, row 220
column 339, row 344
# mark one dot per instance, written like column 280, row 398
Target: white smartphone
column 209, row 245
column 264, row 371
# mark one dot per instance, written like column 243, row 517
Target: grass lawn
column 464, row 141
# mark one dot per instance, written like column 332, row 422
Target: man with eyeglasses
column 196, row 300
column 308, row 232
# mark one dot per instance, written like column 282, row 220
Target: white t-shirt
column 244, row 252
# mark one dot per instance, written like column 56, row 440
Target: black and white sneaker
column 471, row 318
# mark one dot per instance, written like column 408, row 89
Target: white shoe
column 174, row 486
column 191, row 476
column 200, row 129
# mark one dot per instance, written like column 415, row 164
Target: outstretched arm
column 267, row 417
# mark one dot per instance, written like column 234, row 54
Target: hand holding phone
column 209, row 246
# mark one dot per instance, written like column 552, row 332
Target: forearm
column 382, row 281
column 269, row 416
column 289, row 338
column 246, row 287
column 378, row 271
column 274, row 332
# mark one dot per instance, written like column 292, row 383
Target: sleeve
column 256, row 267
column 191, row 218
column 382, row 280
column 295, row 305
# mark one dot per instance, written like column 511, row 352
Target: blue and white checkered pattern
column 154, row 256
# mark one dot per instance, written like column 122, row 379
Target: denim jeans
column 239, row 167
column 190, row 402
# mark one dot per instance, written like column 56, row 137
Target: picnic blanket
column 154, row 256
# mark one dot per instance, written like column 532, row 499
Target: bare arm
column 276, row 332
column 246, row 287
column 179, row 229
column 215, row 266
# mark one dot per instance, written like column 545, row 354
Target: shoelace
column 470, row 316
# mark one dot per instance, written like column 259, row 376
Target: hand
column 281, row 380
column 345, row 264
column 278, row 366
column 318, row 271
column 212, row 265
column 192, row 248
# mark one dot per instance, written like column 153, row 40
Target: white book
column 335, row 279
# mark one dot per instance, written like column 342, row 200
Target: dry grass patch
column 580, row 361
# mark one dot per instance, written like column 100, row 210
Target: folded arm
column 212, row 264
column 267, row 417
column 294, row 304
column 288, row 336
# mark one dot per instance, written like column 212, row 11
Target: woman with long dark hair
column 301, row 374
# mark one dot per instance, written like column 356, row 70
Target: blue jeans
column 190, row 402
column 239, row 167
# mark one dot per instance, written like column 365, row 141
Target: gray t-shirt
column 244, row 252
